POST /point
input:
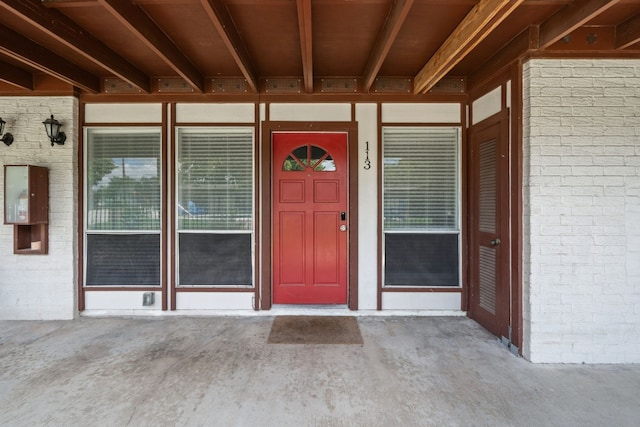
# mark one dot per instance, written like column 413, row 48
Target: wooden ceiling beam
column 16, row 76
column 60, row 28
column 569, row 18
column 306, row 42
column 221, row 20
column 475, row 27
column 139, row 23
column 392, row 26
column 32, row 54
column 628, row 33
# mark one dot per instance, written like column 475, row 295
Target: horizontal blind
column 123, row 179
column 215, row 179
column 420, row 178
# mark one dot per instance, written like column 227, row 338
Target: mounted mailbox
column 26, row 206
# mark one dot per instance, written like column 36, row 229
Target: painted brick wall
column 41, row 286
column 582, row 211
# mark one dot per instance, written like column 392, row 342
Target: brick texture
column 41, row 286
column 582, row 211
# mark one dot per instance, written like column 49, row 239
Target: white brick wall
column 582, row 211
column 41, row 286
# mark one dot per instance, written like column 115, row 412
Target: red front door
column 310, row 218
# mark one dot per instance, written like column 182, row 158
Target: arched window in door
column 309, row 157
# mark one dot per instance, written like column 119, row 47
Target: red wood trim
column 124, row 125
column 172, row 207
column 380, row 212
column 164, row 198
column 257, row 229
column 214, row 290
column 439, row 124
column 265, row 149
column 122, row 288
column 516, row 204
column 428, row 290
column 207, row 124
column 80, row 213
column 352, row 141
column 464, row 210
column 306, row 42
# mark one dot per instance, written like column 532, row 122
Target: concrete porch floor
column 220, row 371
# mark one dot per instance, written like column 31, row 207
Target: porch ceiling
column 292, row 47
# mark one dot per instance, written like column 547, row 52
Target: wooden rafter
column 475, row 27
column 397, row 15
column 628, row 33
column 28, row 52
column 60, row 28
column 139, row 23
column 569, row 18
column 221, row 20
column 306, row 42
column 16, row 76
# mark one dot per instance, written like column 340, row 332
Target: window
column 123, row 197
column 214, row 208
column 421, row 206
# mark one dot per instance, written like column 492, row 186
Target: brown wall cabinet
column 26, row 206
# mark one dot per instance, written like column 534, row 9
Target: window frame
column 177, row 231
column 159, row 231
column 457, row 230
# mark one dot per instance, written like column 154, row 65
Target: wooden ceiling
column 240, row 47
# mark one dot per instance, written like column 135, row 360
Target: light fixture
column 52, row 126
column 7, row 138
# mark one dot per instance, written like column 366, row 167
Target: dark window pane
column 123, row 260
column 215, row 259
column 421, row 259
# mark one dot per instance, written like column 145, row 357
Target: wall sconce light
column 7, row 138
column 52, row 126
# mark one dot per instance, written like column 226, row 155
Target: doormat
column 315, row 330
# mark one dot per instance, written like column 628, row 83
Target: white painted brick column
column 42, row 286
column 581, row 263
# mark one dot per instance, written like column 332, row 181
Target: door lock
column 343, row 216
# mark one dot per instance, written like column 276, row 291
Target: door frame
column 266, row 175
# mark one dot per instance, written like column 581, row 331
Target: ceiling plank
column 28, row 52
column 478, row 24
column 628, row 33
column 569, row 18
column 139, row 23
column 306, row 42
column 223, row 23
column 16, row 76
column 397, row 15
column 60, row 28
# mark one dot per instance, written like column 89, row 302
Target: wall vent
column 392, row 85
column 229, row 85
column 283, row 85
column 339, row 85
column 116, row 85
column 173, row 85
column 449, row 85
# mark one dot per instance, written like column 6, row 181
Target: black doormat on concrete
column 315, row 330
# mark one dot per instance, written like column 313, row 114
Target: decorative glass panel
column 309, row 156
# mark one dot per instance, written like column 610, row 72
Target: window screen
column 214, row 206
column 421, row 202
column 123, row 211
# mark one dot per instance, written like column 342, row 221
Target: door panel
column 490, row 284
column 310, row 232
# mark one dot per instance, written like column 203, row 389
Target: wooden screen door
column 310, row 218
column 489, row 302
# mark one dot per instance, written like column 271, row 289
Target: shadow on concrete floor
column 220, row 371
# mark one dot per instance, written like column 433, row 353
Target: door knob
column 495, row 242
column 343, row 227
